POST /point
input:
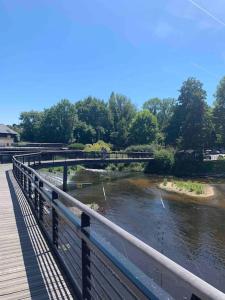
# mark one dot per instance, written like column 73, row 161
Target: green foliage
column 93, row 116
column 187, row 125
column 219, row 113
column 99, row 146
column 189, row 186
column 84, row 133
column 162, row 108
column 221, row 157
column 163, row 162
column 209, row 132
column 53, row 125
column 142, row 148
column 58, row 122
column 76, row 146
column 55, row 169
column 143, row 128
column 165, row 181
column 121, row 113
column 30, row 122
column 132, row 167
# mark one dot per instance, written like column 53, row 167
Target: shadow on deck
column 28, row 268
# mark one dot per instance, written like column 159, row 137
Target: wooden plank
column 28, row 269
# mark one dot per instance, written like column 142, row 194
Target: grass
column 189, row 186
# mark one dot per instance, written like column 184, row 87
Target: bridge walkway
column 28, row 270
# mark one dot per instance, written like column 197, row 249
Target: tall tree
column 143, row 129
column 30, row 122
column 209, row 131
column 153, row 105
column 187, row 124
column 219, row 113
column 121, row 113
column 163, row 109
column 58, row 122
column 94, row 113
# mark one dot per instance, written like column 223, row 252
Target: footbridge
column 55, row 247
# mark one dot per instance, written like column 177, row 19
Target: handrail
column 197, row 287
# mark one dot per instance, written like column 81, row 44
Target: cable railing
column 94, row 265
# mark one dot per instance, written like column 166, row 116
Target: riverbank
column 205, row 192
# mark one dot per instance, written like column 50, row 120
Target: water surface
column 191, row 232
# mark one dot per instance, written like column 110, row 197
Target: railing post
column 55, row 221
column 25, row 181
column 86, row 274
column 29, row 185
column 65, row 175
column 36, row 195
column 41, row 203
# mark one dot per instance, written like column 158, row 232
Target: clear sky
column 54, row 49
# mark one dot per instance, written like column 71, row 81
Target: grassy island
column 190, row 188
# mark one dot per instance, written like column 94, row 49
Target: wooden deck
column 28, row 270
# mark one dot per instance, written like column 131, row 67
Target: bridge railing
column 71, row 154
column 88, row 247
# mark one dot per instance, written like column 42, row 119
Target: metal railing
column 96, row 268
column 37, row 158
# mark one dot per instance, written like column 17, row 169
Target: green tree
column 187, row 125
column 219, row 113
column 143, row 128
column 209, row 132
column 153, row 105
column 163, row 109
column 30, row 122
column 94, row 113
column 58, row 122
column 121, row 113
column 84, row 133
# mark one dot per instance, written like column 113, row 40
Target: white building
column 7, row 136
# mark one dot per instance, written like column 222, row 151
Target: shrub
column 163, row 162
column 98, row 147
column 111, row 167
column 142, row 148
column 76, row 146
column 165, row 181
column 221, row 157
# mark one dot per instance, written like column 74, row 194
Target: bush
column 221, row 157
column 163, row 162
column 98, row 147
column 142, row 148
column 76, row 146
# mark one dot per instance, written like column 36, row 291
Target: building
column 7, row 136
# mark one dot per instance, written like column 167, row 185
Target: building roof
column 6, row 130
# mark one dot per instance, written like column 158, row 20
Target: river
column 190, row 231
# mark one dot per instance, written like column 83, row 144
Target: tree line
column 187, row 122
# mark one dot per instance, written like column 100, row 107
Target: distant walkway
column 27, row 268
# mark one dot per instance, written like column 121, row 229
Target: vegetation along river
column 188, row 230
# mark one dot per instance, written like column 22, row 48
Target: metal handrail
column 197, row 286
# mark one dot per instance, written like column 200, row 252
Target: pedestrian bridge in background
column 50, row 251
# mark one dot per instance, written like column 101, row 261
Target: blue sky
column 54, row 49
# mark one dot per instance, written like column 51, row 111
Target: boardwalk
column 27, row 268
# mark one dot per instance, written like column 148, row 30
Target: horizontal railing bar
column 105, row 278
column 104, row 291
column 197, row 286
column 67, row 255
column 115, row 265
